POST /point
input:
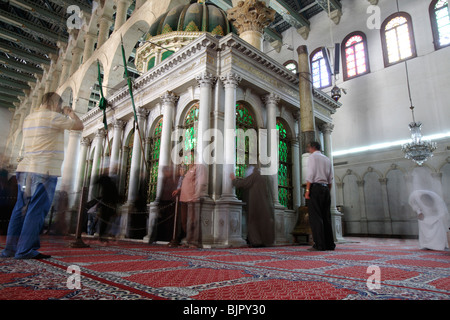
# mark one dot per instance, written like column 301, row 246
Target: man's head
column 52, row 101
column 313, row 146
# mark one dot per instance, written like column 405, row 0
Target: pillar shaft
column 306, row 98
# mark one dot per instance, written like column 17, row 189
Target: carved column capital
column 251, row 15
column 231, row 79
column 86, row 142
column 205, row 79
column 327, row 128
column 169, row 97
column 271, row 98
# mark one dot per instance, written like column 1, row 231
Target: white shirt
column 319, row 169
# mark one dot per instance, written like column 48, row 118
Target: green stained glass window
column 130, row 156
column 153, row 160
column 244, row 121
column 190, row 135
column 285, row 190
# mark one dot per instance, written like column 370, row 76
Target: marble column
column 228, row 215
column 76, row 60
column 271, row 101
column 250, row 17
column 336, row 216
column 117, row 143
column 99, row 139
column 89, row 41
column 81, row 168
column 121, row 13
column 133, row 186
column 231, row 82
column 168, row 99
column 103, row 33
column 70, row 161
column 306, row 98
column 206, row 82
column 296, row 173
column 64, row 72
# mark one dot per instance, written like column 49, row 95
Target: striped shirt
column 43, row 142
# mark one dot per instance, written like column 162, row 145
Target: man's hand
column 421, row 216
column 67, row 110
column 232, row 176
column 307, row 195
column 175, row 192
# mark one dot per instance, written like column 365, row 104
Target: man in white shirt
column 318, row 184
column 37, row 174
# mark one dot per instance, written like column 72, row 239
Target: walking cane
column 174, row 236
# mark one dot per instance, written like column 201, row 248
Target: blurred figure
column 165, row 223
column 4, row 200
column 58, row 214
column 434, row 220
column 192, row 187
column 138, row 217
column 37, row 174
column 260, row 224
column 108, row 197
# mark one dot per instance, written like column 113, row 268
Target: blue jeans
column 34, row 199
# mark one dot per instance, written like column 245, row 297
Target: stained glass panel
column 398, row 40
column 190, row 135
column 153, row 159
column 355, row 56
column 244, row 121
column 285, row 189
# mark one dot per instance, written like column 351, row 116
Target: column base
column 228, row 223
column 336, row 218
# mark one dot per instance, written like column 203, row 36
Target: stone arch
column 373, row 195
column 114, row 71
column 254, row 103
column 351, row 202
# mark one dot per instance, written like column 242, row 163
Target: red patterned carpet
column 135, row 271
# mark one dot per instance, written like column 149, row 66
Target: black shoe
column 41, row 256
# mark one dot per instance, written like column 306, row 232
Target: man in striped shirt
column 37, row 174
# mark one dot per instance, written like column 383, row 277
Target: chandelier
column 417, row 150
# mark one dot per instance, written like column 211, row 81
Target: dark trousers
column 320, row 217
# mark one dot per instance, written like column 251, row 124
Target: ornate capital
column 142, row 112
column 86, row 142
column 205, row 79
column 327, row 128
column 251, row 15
column 101, row 133
column 169, row 98
column 231, row 80
column 271, row 98
column 119, row 124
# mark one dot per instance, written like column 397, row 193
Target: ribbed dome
column 198, row 16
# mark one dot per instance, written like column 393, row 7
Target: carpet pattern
column 135, row 271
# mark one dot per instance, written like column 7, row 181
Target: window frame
column 344, row 55
column 311, row 66
column 408, row 18
column 434, row 26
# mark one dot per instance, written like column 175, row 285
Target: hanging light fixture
column 417, row 150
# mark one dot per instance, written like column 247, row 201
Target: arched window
column 397, row 39
column 355, row 55
column 320, row 74
column 440, row 22
column 291, row 65
column 153, row 160
column 190, row 134
column 244, row 151
column 285, row 188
